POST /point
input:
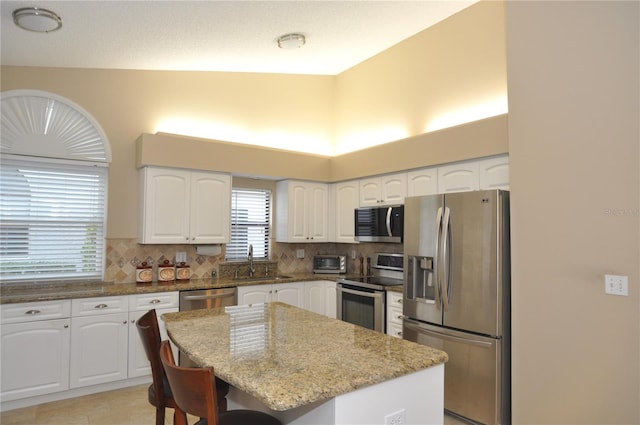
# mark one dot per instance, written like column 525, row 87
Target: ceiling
column 233, row 36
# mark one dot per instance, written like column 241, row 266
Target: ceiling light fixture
column 36, row 19
column 291, row 41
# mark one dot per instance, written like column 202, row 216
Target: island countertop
column 288, row 357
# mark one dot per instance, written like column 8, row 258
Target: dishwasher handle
column 207, row 296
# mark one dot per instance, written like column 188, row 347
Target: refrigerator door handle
column 446, row 258
column 388, row 221
column 436, row 259
column 416, row 327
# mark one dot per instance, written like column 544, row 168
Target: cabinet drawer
column 158, row 300
column 99, row 305
column 394, row 300
column 394, row 315
column 394, row 330
column 31, row 312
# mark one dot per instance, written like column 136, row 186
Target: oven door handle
column 361, row 293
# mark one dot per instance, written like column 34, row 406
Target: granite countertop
column 42, row 291
column 287, row 357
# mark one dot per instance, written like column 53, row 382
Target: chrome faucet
column 251, row 269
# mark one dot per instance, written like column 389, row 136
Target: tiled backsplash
column 124, row 255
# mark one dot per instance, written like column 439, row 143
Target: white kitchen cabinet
column 320, row 297
column 459, row 177
column 34, row 340
column 347, row 199
column 302, row 211
column 422, row 182
column 394, row 314
column 162, row 302
column 494, row 173
column 99, row 340
column 389, row 189
column 289, row 293
column 184, row 207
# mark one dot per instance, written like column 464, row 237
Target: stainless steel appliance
column 330, row 264
column 457, row 296
column 362, row 300
column 205, row 298
column 379, row 224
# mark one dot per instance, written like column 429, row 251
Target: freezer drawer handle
column 418, row 329
column 206, row 297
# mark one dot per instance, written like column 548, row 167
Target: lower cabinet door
column 99, row 349
column 35, row 358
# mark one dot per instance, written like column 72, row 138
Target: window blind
column 52, row 219
column 250, row 224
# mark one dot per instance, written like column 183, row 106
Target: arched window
column 53, row 189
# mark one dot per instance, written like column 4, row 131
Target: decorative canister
column 144, row 273
column 166, row 272
column 183, row 271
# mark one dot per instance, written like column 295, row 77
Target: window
column 52, row 219
column 250, row 224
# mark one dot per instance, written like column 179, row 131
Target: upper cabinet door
column 494, row 173
column 394, row 188
column 422, row 182
column 383, row 190
column 346, row 201
column 210, row 208
column 301, row 211
column 461, row 177
column 165, row 205
column 180, row 207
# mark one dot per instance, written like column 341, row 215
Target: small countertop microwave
column 379, row 224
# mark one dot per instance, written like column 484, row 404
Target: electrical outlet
column 395, row 418
column 353, row 254
column 300, row 253
column 616, row 285
column 181, row 257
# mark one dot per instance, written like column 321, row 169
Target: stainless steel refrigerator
column 457, row 296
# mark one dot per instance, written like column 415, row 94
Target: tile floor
column 128, row 406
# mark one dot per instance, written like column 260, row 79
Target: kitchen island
column 305, row 368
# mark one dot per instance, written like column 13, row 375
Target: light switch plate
column 616, row 285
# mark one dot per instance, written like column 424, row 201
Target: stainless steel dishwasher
column 203, row 299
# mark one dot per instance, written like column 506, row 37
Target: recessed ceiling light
column 291, row 41
column 36, row 19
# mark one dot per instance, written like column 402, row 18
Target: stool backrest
column 194, row 389
column 150, row 334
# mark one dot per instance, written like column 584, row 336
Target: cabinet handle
column 66, row 326
column 399, row 333
column 101, row 306
column 124, row 323
column 155, row 301
column 32, row 312
column 399, row 300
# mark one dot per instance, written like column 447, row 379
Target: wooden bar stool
column 194, row 391
column 159, row 393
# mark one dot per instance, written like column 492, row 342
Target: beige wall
column 573, row 71
column 448, row 68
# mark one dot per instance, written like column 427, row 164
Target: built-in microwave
column 379, row 224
